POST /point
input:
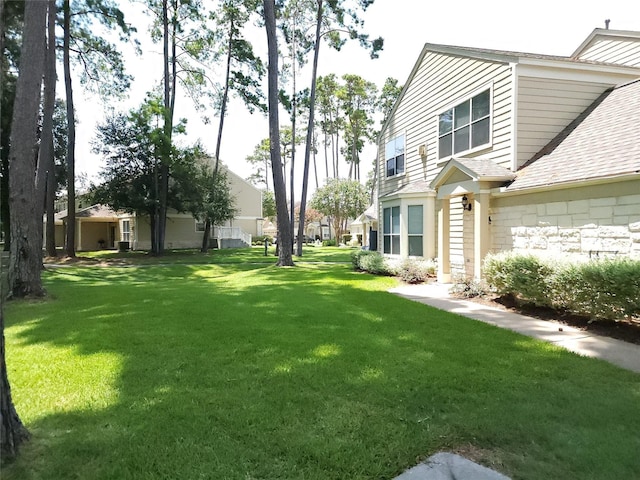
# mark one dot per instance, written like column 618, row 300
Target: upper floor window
column 465, row 126
column 394, row 156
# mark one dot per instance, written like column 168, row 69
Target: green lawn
column 248, row 371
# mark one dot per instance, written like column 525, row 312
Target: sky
column 553, row 27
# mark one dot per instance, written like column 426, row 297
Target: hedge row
column 600, row 289
column 409, row 270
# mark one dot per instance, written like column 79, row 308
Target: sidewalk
column 623, row 354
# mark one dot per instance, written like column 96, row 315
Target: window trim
column 453, row 105
column 391, row 233
column 415, row 235
column 404, row 155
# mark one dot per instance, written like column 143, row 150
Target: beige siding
column 248, row 199
column 440, row 82
column 620, row 51
column 546, row 107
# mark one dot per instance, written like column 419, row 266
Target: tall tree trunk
column 284, row 225
column 310, row 128
column 4, row 157
column 26, row 251
column 12, row 431
column 70, row 243
column 26, row 246
column 46, row 162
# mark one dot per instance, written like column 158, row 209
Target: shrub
column 600, row 289
column 259, row 239
column 370, row 261
column 329, row 243
column 346, row 238
column 415, row 271
column 605, row 289
column 469, row 288
column 525, row 277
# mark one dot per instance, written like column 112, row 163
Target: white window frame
column 126, row 230
column 389, row 231
column 452, row 106
column 394, row 158
column 415, row 235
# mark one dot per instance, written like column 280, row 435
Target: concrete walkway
column 623, row 354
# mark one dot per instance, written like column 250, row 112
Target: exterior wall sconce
column 465, row 203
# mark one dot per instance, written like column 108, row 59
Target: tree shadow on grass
column 241, row 371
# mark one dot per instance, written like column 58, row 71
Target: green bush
column 370, row 261
column 599, row 289
column 525, row 277
column 329, row 243
column 469, row 288
column 605, row 289
column 259, row 239
column 346, row 238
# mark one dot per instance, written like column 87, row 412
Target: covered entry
column 463, row 193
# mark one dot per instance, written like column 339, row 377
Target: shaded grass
column 229, row 255
column 238, row 371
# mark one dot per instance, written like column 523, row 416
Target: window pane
column 480, row 105
column 446, row 122
column 389, row 150
column 399, row 146
column 461, row 140
column 391, row 167
column 395, row 220
column 462, row 115
column 444, row 146
column 415, row 245
column 387, row 244
column 395, row 244
column 415, row 219
column 480, row 133
column 400, row 164
column 387, row 221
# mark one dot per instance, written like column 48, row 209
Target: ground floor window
column 126, row 231
column 391, row 230
column 414, row 221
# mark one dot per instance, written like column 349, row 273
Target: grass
column 247, row 371
column 193, row 256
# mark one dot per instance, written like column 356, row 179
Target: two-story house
column 491, row 150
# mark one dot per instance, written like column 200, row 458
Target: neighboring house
column 365, row 228
column 183, row 231
column 491, row 150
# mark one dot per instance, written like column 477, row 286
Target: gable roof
column 504, row 56
column 94, row 211
column 601, row 143
column 602, row 34
column 477, row 169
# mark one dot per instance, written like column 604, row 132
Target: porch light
column 465, row 203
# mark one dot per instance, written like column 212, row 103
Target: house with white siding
column 490, row 150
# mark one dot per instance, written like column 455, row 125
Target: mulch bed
column 626, row 330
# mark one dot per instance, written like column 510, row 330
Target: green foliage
column 525, row 277
column 340, row 200
column 346, row 238
column 600, row 289
column 130, row 144
column 604, row 289
column 260, row 239
column 370, row 261
column 268, row 204
column 329, row 243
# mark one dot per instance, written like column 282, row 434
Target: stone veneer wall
column 574, row 226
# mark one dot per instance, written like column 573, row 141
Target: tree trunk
column 12, row 432
column 310, row 128
column 26, row 246
column 284, row 225
column 46, row 162
column 70, row 243
column 205, row 236
column 4, row 158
